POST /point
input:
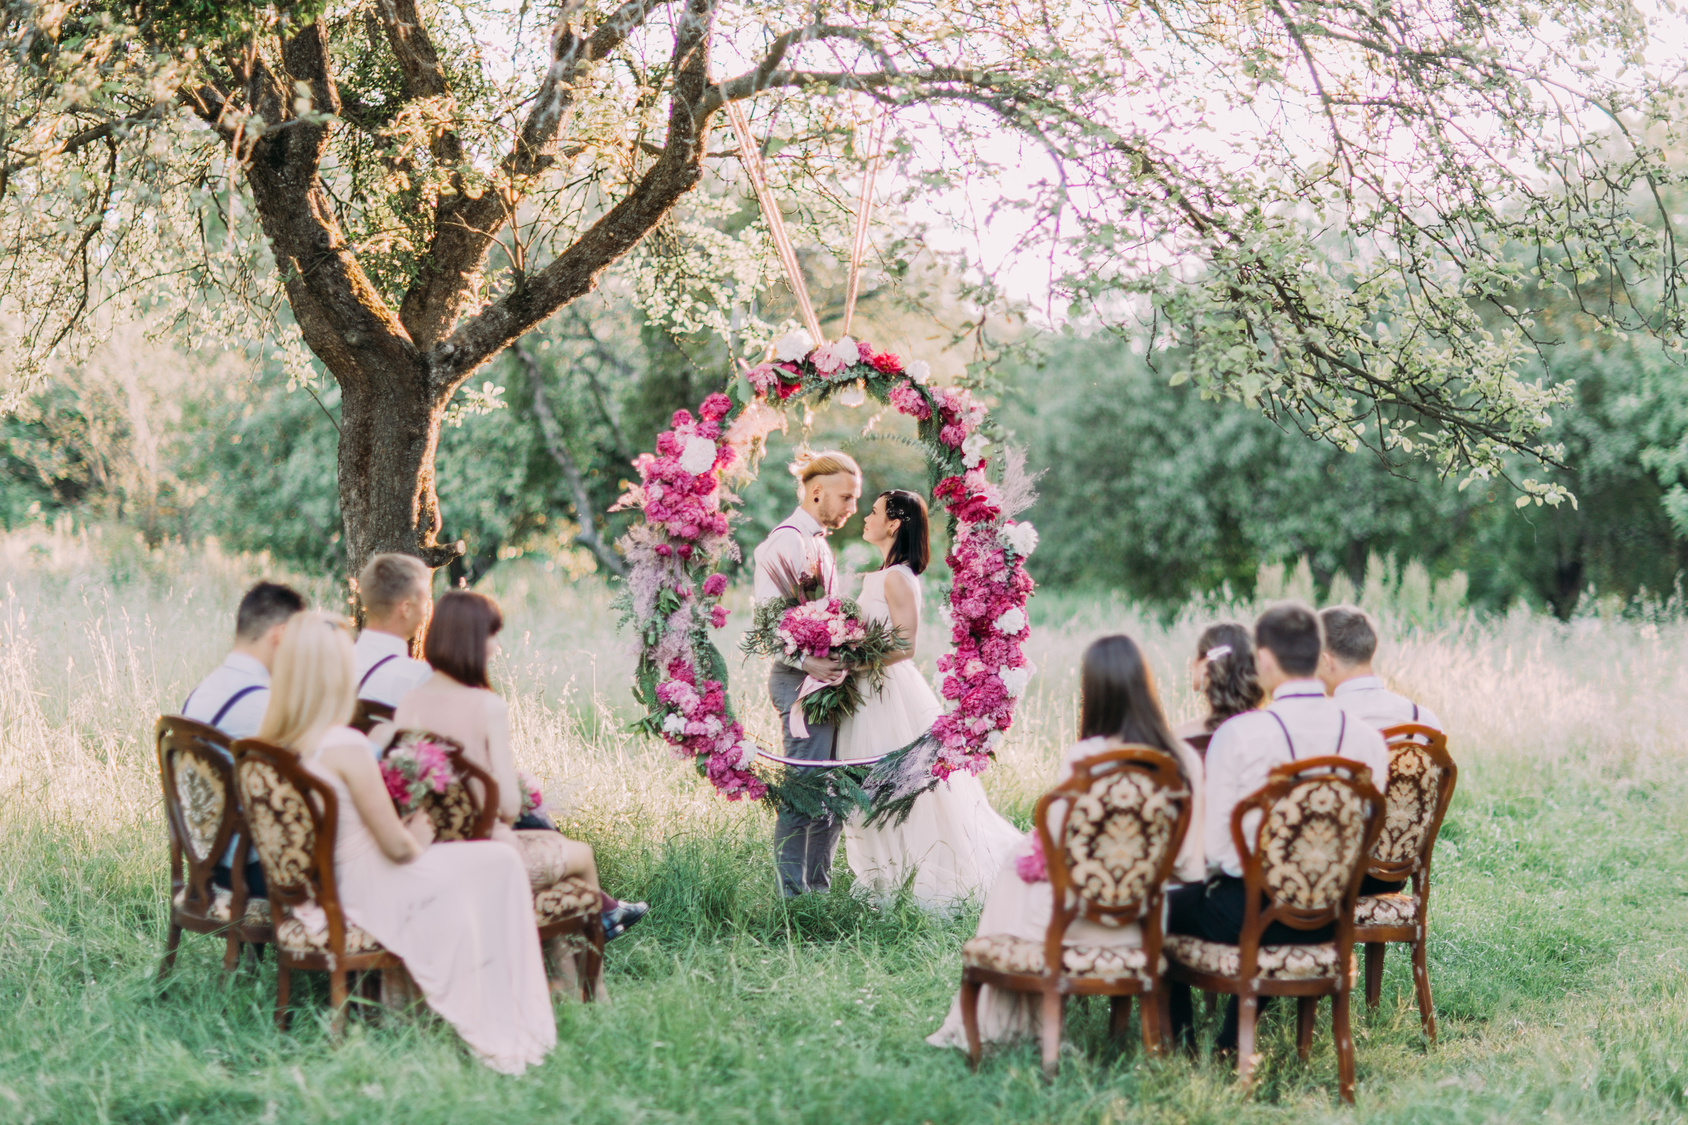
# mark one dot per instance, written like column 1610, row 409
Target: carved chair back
column 293, row 817
column 1110, row 836
column 1315, row 822
column 367, row 714
column 468, row 808
column 1422, row 775
column 201, row 805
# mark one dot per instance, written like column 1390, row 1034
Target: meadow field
column 1559, row 918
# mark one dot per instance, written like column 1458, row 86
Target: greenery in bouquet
column 827, row 627
column 417, row 764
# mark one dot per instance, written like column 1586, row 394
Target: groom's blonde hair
column 314, row 684
column 826, row 463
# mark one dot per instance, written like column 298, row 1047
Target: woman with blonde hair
column 461, row 914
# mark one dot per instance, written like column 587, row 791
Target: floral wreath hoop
column 674, row 586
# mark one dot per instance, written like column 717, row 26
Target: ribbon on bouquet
column 799, row 728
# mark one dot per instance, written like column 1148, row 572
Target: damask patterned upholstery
column 1386, row 910
column 1310, row 841
column 453, row 812
column 281, row 824
column 1410, row 804
column 222, row 900
column 203, row 799
column 1118, row 835
column 293, row 934
column 1280, row 962
column 570, row 898
column 1005, row 953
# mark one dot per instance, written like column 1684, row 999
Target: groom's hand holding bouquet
column 805, row 624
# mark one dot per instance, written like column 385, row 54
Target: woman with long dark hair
column 953, row 842
column 1223, row 674
column 1118, row 704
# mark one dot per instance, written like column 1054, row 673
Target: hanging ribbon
column 864, row 208
column 751, row 156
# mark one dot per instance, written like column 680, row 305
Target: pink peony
column 1032, row 867
column 718, row 617
column 715, row 585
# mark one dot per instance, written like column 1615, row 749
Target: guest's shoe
column 622, row 918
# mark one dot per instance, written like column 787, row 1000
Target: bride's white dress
column 953, row 842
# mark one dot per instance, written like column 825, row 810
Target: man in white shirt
column 1345, row 667
column 236, row 693
column 828, row 486
column 396, row 594
column 1299, row 722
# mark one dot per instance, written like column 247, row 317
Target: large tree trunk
column 389, row 430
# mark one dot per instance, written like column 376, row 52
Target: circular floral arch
column 674, row 586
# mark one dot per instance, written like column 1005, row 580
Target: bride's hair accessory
column 1217, row 652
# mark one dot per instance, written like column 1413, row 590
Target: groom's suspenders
column 1341, row 732
column 373, row 668
column 227, row 703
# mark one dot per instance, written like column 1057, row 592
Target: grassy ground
column 1558, row 919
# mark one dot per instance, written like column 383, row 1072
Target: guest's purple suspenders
column 228, row 703
column 373, row 668
column 1415, row 712
column 1341, row 732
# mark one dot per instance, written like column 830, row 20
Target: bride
column 953, row 842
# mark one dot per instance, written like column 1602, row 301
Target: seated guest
column 1345, row 667
column 1299, row 722
column 460, row 915
column 395, row 591
column 457, row 701
column 233, row 697
column 1118, row 704
column 1223, row 672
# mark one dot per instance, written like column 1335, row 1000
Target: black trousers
column 1214, row 911
column 223, row 876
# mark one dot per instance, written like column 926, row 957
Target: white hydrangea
column 1021, row 538
column 674, row 724
column 975, row 446
column 919, row 371
column 1012, row 621
column 793, row 346
column 1016, row 679
column 699, row 455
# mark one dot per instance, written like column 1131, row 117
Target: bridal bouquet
column 417, row 764
column 806, row 621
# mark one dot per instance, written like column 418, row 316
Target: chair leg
column 1344, row 1046
column 170, row 943
column 1149, row 1009
column 1306, row 1011
column 283, row 990
column 1248, row 1011
column 970, row 1019
column 1119, row 1015
column 1054, row 1008
column 1421, row 982
column 1374, row 972
column 337, row 996
column 1163, row 1015
column 231, row 952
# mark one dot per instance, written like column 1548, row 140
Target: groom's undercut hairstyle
column 457, row 636
column 265, row 606
column 1350, row 635
column 1290, row 631
column 912, row 544
column 389, row 580
column 827, row 463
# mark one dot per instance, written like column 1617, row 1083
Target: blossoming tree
column 423, row 183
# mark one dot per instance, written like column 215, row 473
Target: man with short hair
column 234, row 696
column 396, row 593
column 828, row 486
column 1345, row 667
column 1299, row 722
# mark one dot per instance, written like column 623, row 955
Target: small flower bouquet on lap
column 806, row 621
column 417, row 764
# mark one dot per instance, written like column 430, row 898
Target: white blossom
column 747, row 753
column 973, row 448
column 1012, row 621
column 1021, row 538
column 793, row 346
column 699, row 455
column 919, row 371
column 712, row 726
column 1016, row 679
column 993, row 739
column 674, row 724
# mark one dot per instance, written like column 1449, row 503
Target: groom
column 828, row 486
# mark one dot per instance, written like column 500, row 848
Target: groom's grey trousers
column 803, row 846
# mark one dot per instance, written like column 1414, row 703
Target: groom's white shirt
column 801, row 542
column 385, row 669
column 1246, row 747
column 1366, row 699
column 209, row 701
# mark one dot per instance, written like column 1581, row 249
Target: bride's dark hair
column 911, row 543
column 1117, row 697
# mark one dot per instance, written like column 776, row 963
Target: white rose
column 699, row 455
column 747, row 753
column 1016, row 679
column 919, row 371
column 1011, row 622
column 847, row 352
column 793, row 346
column 674, row 724
column 1021, row 538
column 974, row 447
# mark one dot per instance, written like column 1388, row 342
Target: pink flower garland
column 684, row 536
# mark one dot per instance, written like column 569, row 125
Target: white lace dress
column 953, row 842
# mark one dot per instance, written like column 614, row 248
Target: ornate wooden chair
column 368, row 714
column 1303, row 862
column 202, row 809
column 568, row 909
column 293, row 817
column 1121, row 818
column 1422, row 776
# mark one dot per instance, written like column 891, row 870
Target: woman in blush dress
column 1223, row 674
column 1118, row 704
column 459, row 914
column 953, row 842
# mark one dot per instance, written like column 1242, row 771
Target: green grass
column 1559, row 914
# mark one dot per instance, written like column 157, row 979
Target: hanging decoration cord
column 864, row 209
column 751, row 157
